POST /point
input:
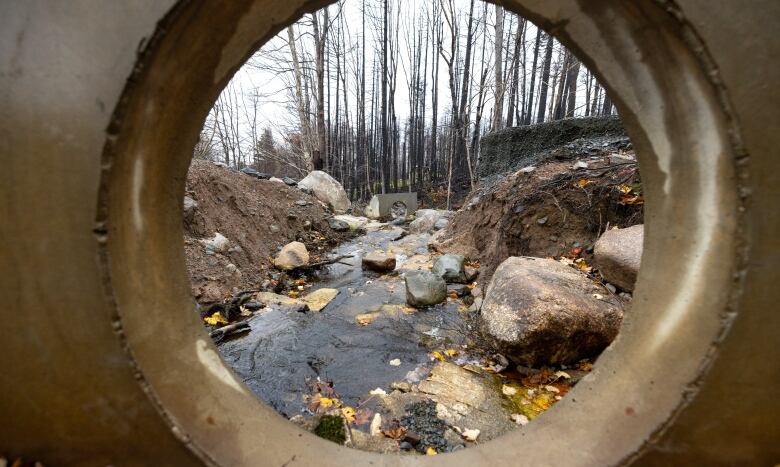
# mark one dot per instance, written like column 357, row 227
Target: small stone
column 378, row 261
column 289, row 181
column 395, row 362
column 338, row 225
column 520, row 419
column 301, row 202
column 274, row 228
column 253, row 305
column 402, row 386
column 424, row 289
column 612, row 289
column 541, row 220
column 580, row 165
column 376, row 425
column 320, row 298
column 293, row 255
column 450, row 268
column 460, row 290
column 471, row 274
column 405, row 446
column 231, row 268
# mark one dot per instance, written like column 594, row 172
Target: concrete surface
column 380, row 205
column 107, row 363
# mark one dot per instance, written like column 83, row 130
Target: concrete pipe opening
column 631, row 408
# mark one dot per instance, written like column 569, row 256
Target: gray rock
column 338, row 225
column 424, row 289
column 290, row 181
column 542, row 312
column 274, row 228
column 379, row 261
column 450, row 268
column 190, row 206
column 471, row 274
column 469, row 400
column 293, row 255
column 327, row 190
column 440, row 224
column 425, row 220
column 253, row 305
column 461, row 290
column 618, row 255
column 301, row 202
column 254, row 173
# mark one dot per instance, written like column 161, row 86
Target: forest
column 394, row 95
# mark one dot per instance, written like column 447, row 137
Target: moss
column 331, row 427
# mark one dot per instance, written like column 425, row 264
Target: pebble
column 395, row 362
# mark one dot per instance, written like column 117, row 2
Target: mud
column 257, row 216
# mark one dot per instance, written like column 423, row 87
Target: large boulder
column 450, row 268
column 293, row 255
column 424, row 221
column 424, row 288
column 327, row 189
column 618, row 254
column 542, row 312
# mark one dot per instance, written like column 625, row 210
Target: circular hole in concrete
column 637, row 50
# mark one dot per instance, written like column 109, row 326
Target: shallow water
column 284, row 349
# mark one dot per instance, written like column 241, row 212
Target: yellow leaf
column 327, row 402
column 215, row 319
column 624, row 188
column 437, row 355
column 451, row 352
column 349, row 414
column 583, row 182
column 430, row 451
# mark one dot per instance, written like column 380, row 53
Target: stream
column 285, row 348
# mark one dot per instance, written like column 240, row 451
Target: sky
column 263, row 78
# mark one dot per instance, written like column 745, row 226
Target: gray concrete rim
column 699, row 306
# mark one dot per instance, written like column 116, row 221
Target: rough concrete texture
column 515, row 147
column 542, row 312
column 95, row 239
column 381, row 205
column 618, row 255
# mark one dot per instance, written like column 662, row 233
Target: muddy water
column 284, row 349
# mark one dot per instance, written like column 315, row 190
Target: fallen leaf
column 215, row 319
column 562, row 374
column 552, row 389
column 362, row 416
column 396, row 433
column 348, row 413
column 430, row 451
column 583, row 182
column 437, row 355
column 451, row 352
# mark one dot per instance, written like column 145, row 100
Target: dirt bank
column 548, row 210
column 257, row 217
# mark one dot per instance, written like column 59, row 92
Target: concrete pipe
column 106, row 363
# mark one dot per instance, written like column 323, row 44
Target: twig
column 218, row 335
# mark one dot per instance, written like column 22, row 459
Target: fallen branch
column 326, row 262
column 218, row 335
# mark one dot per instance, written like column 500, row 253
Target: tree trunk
column 545, row 78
